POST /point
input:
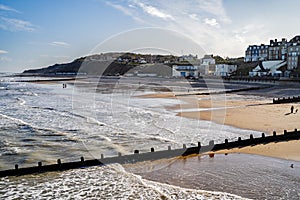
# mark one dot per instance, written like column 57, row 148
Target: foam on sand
column 109, row 182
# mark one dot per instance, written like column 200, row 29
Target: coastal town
column 279, row 58
column 276, row 59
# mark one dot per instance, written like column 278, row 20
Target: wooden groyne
column 286, row 100
column 153, row 155
column 47, row 80
column 252, row 79
column 225, row 91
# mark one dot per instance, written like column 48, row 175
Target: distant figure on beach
column 64, row 85
column 292, row 165
column 292, row 109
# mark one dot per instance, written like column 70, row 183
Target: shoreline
column 252, row 113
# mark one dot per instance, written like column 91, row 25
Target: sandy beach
column 251, row 113
column 259, row 115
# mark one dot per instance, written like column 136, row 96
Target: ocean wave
column 107, row 182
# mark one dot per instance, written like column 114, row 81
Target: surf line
column 154, row 155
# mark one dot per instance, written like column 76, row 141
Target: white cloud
column 3, row 51
column 126, row 10
column 194, row 16
column 155, row 12
column 211, row 22
column 205, row 21
column 12, row 24
column 58, row 57
column 214, row 7
column 60, row 43
column 5, row 59
column 7, row 8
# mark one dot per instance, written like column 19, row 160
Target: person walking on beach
column 292, row 109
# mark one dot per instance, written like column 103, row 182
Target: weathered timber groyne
column 286, row 100
column 153, row 155
column 47, row 80
column 225, row 91
column 252, row 79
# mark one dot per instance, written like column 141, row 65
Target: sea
column 44, row 121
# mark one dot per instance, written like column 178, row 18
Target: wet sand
column 252, row 113
column 285, row 150
column 249, row 176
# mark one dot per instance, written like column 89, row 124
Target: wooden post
column 58, row 161
column 239, row 139
column 199, row 144
column 136, row 152
column 152, row 149
column 82, row 159
column 251, row 137
column 274, row 133
column 16, row 166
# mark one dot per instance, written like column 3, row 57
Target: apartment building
column 293, row 53
column 278, row 49
column 256, row 53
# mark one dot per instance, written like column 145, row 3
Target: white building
column 207, row 66
column 268, row 68
column 185, row 71
column 224, row 69
column 193, row 60
column 208, row 60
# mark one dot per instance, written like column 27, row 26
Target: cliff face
column 72, row 67
column 108, row 64
column 85, row 66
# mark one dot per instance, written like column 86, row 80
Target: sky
column 39, row 33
